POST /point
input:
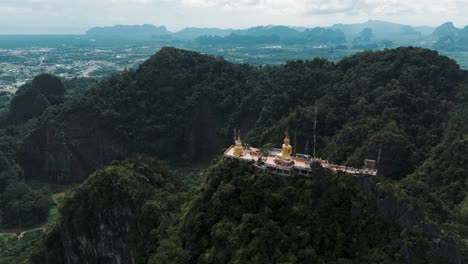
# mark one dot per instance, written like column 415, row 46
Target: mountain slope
column 182, row 106
column 446, row 29
column 165, row 106
column 408, row 104
column 113, row 217
column 238, row 215
column 244, row 217
column 451, row 38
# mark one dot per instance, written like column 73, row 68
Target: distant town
column 107, row 50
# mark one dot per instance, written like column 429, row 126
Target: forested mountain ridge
column 114, row 119
column 238, row 215
column 182, row 106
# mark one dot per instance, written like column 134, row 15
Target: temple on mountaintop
column 282, row 162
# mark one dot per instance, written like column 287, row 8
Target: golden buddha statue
column 286, row 149
column 238, row 149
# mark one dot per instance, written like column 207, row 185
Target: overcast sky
column 76, row 16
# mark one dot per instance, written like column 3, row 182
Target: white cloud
column 56, row 15
column 377, row 7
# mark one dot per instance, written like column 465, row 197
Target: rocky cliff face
column 442, row 246
column 70, row 151
column 113, row 217
column 107, row 243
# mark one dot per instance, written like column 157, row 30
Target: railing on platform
column 297, row 170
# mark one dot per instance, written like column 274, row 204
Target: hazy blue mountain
column 451, row 38
column 366, row 40
column 446, row 29
column 366, row 34
column 409, row 31
column 446, row 43
column 282, row 31
column 145, row 31
column 333, row 34
column 380, row 28
column 276, row 35
column 425, row 30
column 192, row 32
column 463, row 36
column 300, row 29
column 320, row 35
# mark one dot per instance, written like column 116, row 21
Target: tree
column 23, row 206
column 395, row 160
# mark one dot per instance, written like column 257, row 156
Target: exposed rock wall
column 107, row 242
column 444, row 247
column 71, row 151
column 113, row 217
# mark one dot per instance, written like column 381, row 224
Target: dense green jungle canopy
column 182, row 106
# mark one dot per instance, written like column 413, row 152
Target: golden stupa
column 238, row 149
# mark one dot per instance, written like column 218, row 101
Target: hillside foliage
column 120, row 209
column 183, row 106
column 408, row 104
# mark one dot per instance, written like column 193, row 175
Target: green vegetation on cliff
column 27, row 208
column 181, row 106
column 120, row 209
column 34, row 98
column 14, row 250
column 132, row 211
column 20, row 205
column 239, row 216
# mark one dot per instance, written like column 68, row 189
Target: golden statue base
column 282, row 162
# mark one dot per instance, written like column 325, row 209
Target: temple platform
column 300, row 164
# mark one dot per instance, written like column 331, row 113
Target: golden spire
column 238, row 148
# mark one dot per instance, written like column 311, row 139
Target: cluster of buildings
column 282, row 162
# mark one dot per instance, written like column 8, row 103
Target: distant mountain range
column 373, row 34
column 276, row 35
column 145, row 30
column 451, row 38
column 151, row 31
column 193, row 32
column 383, row 28
column 380, row 28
